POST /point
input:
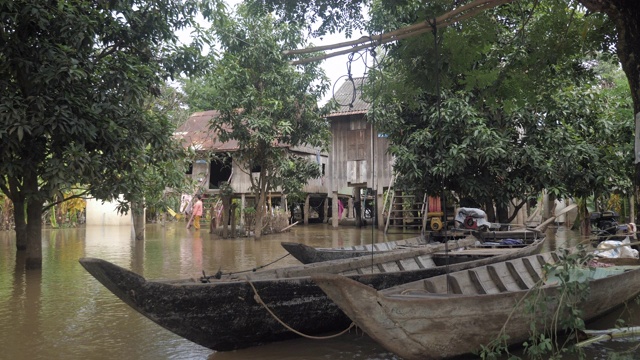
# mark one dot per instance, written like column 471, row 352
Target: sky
column 336, row 68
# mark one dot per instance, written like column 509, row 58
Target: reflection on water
column 61, row 312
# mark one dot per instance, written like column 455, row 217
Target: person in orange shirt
column 197, row 212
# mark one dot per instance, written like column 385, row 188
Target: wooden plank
column 454, row 285
column 475, row 280
column 516, row 276
column 531, row 270
column 429, row 286
column 479, row 252
column 425, row 261
column 495, row 277
column 409, row 264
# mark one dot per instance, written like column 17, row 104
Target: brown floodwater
column 61, row 312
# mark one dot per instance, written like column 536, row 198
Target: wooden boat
column 307, row 254
column 435, row 318
column 224, row 314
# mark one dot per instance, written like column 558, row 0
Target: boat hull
column 436, row 326
column 224, row 315
column 307, row 254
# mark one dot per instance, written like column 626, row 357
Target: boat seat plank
column 389, row 267
column 409, row 264
column 500, row 275
column 520, row 275
column 475, row 279
column 533, row 271
column 454, row 285
column 425, row 261
column 546, row 258
column 369, row 270
column 429, row 286
column 466, row 283
column 485, row 280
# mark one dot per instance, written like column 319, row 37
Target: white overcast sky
column 335, row 67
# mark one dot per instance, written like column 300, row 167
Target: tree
column 73, row 80
column 625, row 15
column 510, row 82
column 490, row 131
column 160, row 166
column 268, row 106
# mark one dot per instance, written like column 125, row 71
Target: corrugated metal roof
column 349, row 98
column 195, row 133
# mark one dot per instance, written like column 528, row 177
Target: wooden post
column 334, row 210
column 306, row 210
column 357, row 202
column 243, row 205
column 233, row 219
column 325, row 211
column 226, row 207
column 380, row 210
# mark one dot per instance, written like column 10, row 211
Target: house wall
column 358, row 156
column 241, row 182
column 200, row 173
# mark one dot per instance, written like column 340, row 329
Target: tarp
column 478, row 215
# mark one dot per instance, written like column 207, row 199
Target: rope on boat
column 205, row 278
column 258, row 299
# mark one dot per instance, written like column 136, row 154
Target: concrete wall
column 105, row 214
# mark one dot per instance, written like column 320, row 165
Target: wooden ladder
column 404, row 211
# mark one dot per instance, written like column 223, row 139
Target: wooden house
column 360, row 167
column 215, row 163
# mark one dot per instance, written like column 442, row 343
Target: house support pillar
column 334, row 210
column 380, row 209
column 243, row 205
column 325, row 212
column 306, row 210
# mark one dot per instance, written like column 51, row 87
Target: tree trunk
column 260, row 205
column 502, row 214
column 137, row 213
column 489, row 210
column 34, row 234
column 21, row 224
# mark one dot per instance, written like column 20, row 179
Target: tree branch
column 456, row 15
column 75, row 196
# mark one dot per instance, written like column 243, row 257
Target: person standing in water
column 197, row 212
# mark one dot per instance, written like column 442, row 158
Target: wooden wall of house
column 351, row 161
column 241, row 182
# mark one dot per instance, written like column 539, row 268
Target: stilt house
column 215, row 163
column 360, row 167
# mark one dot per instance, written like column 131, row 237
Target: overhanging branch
column 462, row 13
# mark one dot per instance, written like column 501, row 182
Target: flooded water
column 61, row 312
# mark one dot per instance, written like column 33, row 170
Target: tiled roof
column 349, row 98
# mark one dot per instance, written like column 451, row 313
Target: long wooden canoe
column 223, row 314
column 435, row 318
column 491, row 239
column 307, row 254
